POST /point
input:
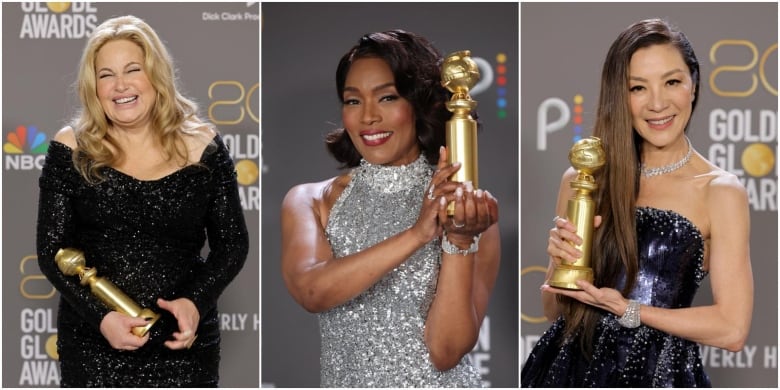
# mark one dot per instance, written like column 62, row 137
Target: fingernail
column 479, row 193
column 459, row 192
column 456, row 164
column 469, row 186
column 442, row 201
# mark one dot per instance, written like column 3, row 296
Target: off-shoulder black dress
column 146, row 237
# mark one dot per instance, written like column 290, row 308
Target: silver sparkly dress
column 376, row 339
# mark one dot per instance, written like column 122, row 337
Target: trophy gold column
column 459, row 73
column 586, row 156
column 72, row 262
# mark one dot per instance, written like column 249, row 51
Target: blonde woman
column 138, row 183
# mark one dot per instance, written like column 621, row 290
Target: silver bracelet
column 452, row 249
column 630, row 318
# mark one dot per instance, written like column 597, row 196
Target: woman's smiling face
column 661, row 94
column 379, row 121
column 123, row 87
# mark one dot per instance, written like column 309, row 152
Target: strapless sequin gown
column 146, row 237
column 671, row 255
column 376, row 339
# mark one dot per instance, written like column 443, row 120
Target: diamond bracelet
column 452, row 249
column 630, row 318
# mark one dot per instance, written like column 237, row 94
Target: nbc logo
column 25, row 149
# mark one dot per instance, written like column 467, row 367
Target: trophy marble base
column 566, row 276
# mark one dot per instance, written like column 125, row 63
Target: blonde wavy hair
column 173, row 115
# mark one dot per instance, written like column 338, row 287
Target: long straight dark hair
column 615, row 258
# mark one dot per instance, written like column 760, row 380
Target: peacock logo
column 25, row 149
column 28, row 138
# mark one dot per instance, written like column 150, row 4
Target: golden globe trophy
column 587, row 156
column 459, row 73
column 72, row 262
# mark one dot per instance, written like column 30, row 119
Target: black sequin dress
column 671, row 256
column 146, row 237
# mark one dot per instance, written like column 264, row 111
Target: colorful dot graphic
column 501, row 102
column 577, row 117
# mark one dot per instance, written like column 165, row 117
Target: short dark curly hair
column 416, row 67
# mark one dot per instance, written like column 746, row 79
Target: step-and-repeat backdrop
column 735, row 126
column 301, row 46
column 215, row 48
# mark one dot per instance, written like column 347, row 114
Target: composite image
column 389, row 194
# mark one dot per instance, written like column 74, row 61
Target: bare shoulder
column 67, row 137
column 306, row 193
column 319, row 195
column 725, row 190
column 197, row 140
column 312, row 201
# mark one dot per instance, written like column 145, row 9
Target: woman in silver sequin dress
column 400, row 288
column 667, row 216
column 138, row 183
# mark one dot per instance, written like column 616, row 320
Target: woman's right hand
column 561, row 246
column 117, row 329
column 438, row 193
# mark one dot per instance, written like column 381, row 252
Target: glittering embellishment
column 146, row 237
column 650, row 172
column 671, row 257
column 392, row 179
column 376, row 339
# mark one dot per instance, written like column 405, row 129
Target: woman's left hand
column 187, row 316
column 605, row 298
column 475, row 211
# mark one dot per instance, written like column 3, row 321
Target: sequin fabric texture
column 671, row 256
column 145, row 237
column 376, row 339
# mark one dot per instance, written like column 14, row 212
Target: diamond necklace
column 650, row 172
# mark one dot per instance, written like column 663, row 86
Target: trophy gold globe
column 459, row 74
column 586, row 156
column 72, row 262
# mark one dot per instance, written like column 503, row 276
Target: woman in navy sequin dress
column 397, row 307
column 138, row 183
column 667, row 218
